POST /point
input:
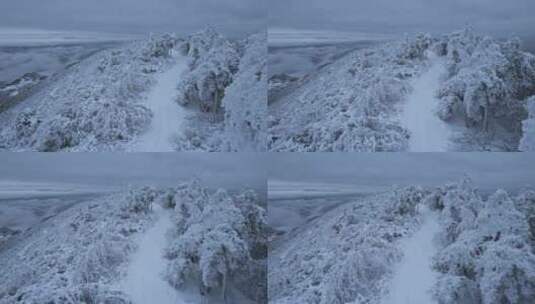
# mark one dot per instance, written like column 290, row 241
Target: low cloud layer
column 497, row 16
column 234, row 17
column 229, row 170
column 376, row 170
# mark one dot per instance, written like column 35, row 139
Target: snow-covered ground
column 168, row 115
column 144, row 281
column 116, row 249
column 118, row 99
column 414, row 278
column 287, row 214
column 428, row 133
column 478, row 88
column 410, row 245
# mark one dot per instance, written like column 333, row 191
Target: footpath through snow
column 428, row 133
column 144, row 281
column 168, row 115
column 414, row 277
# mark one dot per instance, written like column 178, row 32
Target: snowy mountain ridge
column 354, row 103
column 82, row 255
column 97, row 104
column 485, row 251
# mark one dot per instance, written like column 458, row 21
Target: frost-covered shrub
column 140, row 199
column 26, row 123
column 486, row 257
column 159, row 46
column 74, row 257
column 405, row 200
column 94, row 106
column 527, row 142
column 215, row 61
column 346, row 255
column 457, row 289
column 216, row 239
column 202, row 136
column 415, row 48
column 245, row 99
column 227, row 83
column 487, row 82
column 349, row 105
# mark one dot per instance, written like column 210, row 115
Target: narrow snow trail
column 168, row 115
column 428, row 133
column 144, row 282
column 414, row 276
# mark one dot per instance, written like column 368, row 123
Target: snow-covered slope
column 347, row 254
column 131, row 246
column 245, row 100
column 354, row 104
column 101, row 103
column 95, row 105
column 351, row 104
column 412, row 245
column 72, row 257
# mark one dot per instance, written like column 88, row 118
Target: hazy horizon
column 107, row 171
column 369, row 172
column 502, row 18
column 234, row 18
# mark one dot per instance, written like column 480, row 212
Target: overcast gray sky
column 502, row 16
column 488, row 170
column 233, row 17
column 230, row 170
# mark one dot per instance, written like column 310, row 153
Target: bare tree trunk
column 225, row 276
column 215, row 105
column 225, row 288
column 203, row 290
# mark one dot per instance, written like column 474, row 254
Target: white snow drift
column 168, row 116
column 428, row 133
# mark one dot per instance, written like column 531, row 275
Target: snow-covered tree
column 140, row 199
column 487, row 83
column 350, row 105
column 215, row 61
column 245, row 99
column 527, row 142
column 215, row 240
column 486, row 258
